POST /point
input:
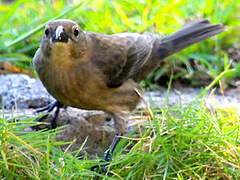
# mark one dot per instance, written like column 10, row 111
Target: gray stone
column 22, row 92
column 82, row 125
column 95, row 126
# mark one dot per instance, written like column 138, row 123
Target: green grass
column 22, row 23
column 191, row 143
column 176, row 143
column 180, row 143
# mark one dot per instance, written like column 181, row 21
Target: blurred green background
column 22, row 24
column 180, row 142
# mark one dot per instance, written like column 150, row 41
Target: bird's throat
column 60, row 53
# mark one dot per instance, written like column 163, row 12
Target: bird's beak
column 60, row 35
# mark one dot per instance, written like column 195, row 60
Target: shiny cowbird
column 95, row 71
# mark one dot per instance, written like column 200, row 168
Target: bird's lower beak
column 60, row 35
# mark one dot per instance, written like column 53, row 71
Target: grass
column 22, row 26
column 176, row 143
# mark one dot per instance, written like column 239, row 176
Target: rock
column 91, row 125
column 181, row 96
column 23, row 92
column 95, row 126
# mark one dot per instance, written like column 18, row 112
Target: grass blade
column 35, row 30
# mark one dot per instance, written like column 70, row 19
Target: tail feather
column 189, row 34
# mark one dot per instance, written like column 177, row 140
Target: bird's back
column 140, row 54
column 122, row 56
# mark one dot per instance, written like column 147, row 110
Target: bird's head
column 63, row 36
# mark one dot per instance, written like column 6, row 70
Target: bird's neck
column 60, row 53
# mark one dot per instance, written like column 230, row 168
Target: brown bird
column 95, row 71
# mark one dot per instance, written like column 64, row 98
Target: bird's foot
column 103, row 163
column 50, row 108
column 107, row 156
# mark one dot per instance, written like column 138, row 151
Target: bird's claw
column 103, row 163
column 107, row 156
column 50, row 108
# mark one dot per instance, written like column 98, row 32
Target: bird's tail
column 189, row 34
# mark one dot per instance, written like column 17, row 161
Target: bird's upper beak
column 60, row 35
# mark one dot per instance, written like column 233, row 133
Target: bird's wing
column 37, row 60
column 124, row 55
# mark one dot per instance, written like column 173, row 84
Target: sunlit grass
column 22, row 22
column 172, row 142
column 177, row 143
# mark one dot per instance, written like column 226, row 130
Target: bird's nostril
column 60, row 35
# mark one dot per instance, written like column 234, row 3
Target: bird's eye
column 47, row 32
column 76, row 32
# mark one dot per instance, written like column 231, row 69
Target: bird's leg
column 50, row 108
column 108, row 153
column 120, row 127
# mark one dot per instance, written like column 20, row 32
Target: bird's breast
column 83, row 86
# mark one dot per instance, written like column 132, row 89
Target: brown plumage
column 95, row 71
